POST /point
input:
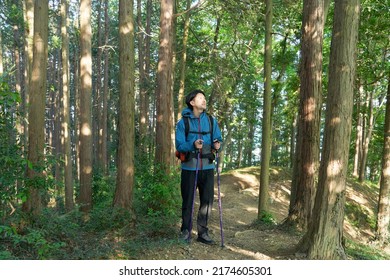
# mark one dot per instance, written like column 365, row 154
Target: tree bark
column 324, row 238
column 149, row 128
column 98, row 110
column 293, row 129
column 368, row 129
column 214, row 95
column 308, row 135
column 382, row 226
column 28, row 54
column 250, row 142
column 16, row 22
column 76, row 117
column 359, row 138
column 68, row 166
column 37, row 107
column 17, row 58
column 1, row 55
column 85, row 107
column 104, row 114
column 266, row 123
column 164, row 156
column 57, row 107
column 125, row 173
column 143, row 85
column 182, row 71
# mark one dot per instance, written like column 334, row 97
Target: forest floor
column 244, row 239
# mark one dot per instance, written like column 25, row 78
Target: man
column 198, row 142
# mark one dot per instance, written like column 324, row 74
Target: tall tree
column 85, row 106
column 324, row 238
column 69, row 204
column 125, row 173
column 28, row 47
column 308, row 136
column 183, row 61
column 164, row 96
column 16, row 20
column 37, row 107
column 383, row 221
column 16, row 48
column 371, row 72
column 266, row 124
column 359, row 137
column 76, row 116
column 143, row 77
column 97, row 113
column 1, row 55
column 214, row 96
column 367, row 134
column 104, row 113
column 148, row 51
column 57, row 113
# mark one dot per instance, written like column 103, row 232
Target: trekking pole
column 219, row 199
column 193, row 197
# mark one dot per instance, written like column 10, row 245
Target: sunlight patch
column 254, row 255
column 251, row 209
column 249, row 179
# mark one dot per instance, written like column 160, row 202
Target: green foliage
column 47, row 181
column 157, row 199
column 5, row 255
column 56, row 42
column 12, row 161
column 105, row 219
column 33, row 244
column 105, row 232
column 359, row 251
column 358, row 215
column 267, row 219
column 70, row 236
column 103, row 188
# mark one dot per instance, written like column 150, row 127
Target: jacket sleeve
column 180, row 142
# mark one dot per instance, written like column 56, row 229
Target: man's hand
column 198, row 144
column 217, row 145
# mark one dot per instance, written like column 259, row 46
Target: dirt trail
column 243, row 240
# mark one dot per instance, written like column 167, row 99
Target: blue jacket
column 201, row 124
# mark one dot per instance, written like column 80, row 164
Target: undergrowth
column 105, row 232
column 110, row 233
column 359, row 251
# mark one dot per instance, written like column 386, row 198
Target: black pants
column 205, row 184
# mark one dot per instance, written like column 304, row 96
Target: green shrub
column 359, row 251
column 103, row 188
column 157, row 201
column 12, row 160
column 5, row 255
column 106, row 219
column 267, row 219
column 32, row 244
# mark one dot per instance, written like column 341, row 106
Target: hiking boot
column 205, row 238
column 185, row 235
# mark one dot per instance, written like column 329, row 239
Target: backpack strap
column 187, row 127
column 211, row 121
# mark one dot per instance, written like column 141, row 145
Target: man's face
column 199, row 102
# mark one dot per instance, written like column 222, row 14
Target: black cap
column 192, row 95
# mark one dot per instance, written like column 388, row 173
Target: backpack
column 186, row 156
